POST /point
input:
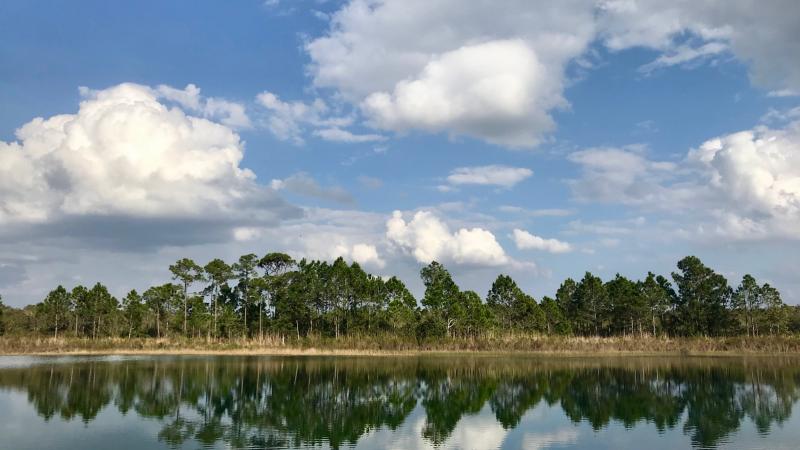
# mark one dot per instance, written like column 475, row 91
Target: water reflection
column 247, row 402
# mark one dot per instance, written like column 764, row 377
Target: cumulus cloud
column 461, row 68
column 527, row 241
column 224, row 111
column 494, row 175
column 303, row 184
column 743, row 185
column 497, row 74
column 366, row 254
column 498, row 91
column 328, row 234
column 757, row 175
column 122, row 153
column 126, row 167
column 330, row 249
column 427, row 238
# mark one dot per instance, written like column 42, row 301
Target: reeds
column 393, row 344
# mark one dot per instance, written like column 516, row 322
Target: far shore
column 394, row 353
column 550, row 346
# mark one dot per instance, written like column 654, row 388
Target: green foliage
column 187, row 272
column 133, row 310
column 590, row 306
column 161, row 300
column 56, row 306
column 702, row 300
column 276, row 296
column 659, row 297
column 513, row 308
column 629, row 307
column 556, row 321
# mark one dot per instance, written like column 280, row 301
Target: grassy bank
column 376, row 345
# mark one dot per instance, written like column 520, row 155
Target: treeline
column 277, row 296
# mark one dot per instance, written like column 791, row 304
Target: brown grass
column 394, row 345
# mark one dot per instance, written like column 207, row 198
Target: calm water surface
column 403, row 403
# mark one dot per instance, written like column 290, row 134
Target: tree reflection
column 280, row 402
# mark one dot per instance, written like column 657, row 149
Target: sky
column 533, row 138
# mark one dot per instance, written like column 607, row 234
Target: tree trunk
column 55, row 333
column 215, row 317
column 185, row 307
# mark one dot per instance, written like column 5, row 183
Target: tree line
column 275, row 295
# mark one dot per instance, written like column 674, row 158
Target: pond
column 409, row 402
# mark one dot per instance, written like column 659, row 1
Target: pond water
column 481, row 402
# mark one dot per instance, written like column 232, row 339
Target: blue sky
column 536, row 139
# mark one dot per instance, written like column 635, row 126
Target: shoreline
column 509, row 345
column 397, row 353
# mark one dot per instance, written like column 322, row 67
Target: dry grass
column 395, row 345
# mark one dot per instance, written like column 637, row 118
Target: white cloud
column 498, row 91
column 226, row 112
column 621, row 175
column 427, row 238
column 495, row 175
column 291, row 121
column 287, row 119
column 339, row 135
column 498, row 73
column 328, row 240
column 463, row 68
column 684, row 54
column 527, row 241
column 781, row 116
column 303, row 184
column 243, row 234
column 367, row 254
column 123, row 153
column 743, row 185
column 757, row 175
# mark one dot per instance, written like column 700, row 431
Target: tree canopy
column 278, row 296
